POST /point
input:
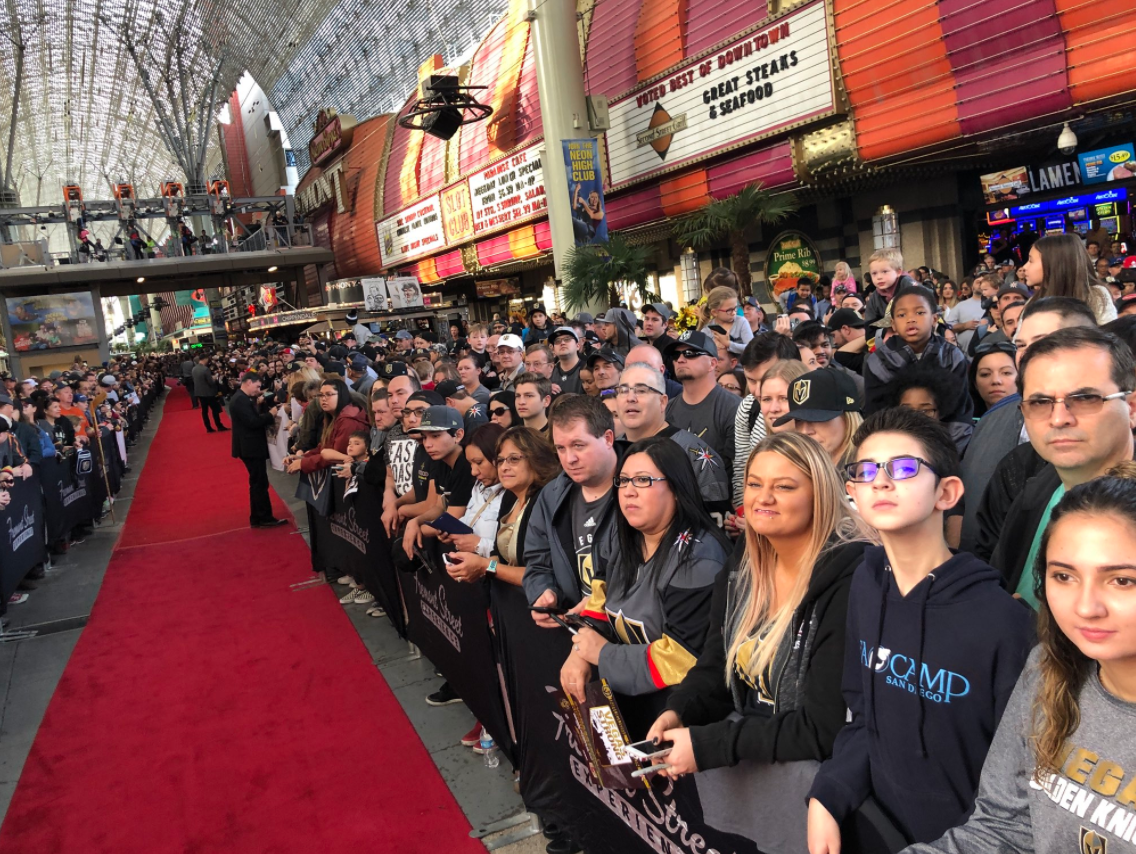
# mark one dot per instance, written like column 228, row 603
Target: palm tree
column 592, row 272
column 735, row 218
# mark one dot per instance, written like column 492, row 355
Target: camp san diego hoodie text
column 926, row 679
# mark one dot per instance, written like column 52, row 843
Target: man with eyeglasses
column 641, row 402
column 705, row 408
column 1079, row 412
column 999, row 459
column 571, row 534
column 565, row 344
column 538, row 360
column 509, row 353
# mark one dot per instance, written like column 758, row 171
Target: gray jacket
column 550, row 562
column 203, row 383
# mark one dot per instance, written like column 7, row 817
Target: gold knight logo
column 801, row 390
column 1092, row 842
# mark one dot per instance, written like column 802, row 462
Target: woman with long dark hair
column 1059, row 266
column 340, row 418
column 653, row 609
column 1060, row 773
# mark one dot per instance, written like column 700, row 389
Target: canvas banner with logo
column 66, row 495
column 449, row 621
column 555, row 782
column 22, row 544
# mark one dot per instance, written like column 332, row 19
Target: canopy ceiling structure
column 108, row 87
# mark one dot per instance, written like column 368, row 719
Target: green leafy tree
column 592, row 273
column 736, row 219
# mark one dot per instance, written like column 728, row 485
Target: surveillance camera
column 1067, row 141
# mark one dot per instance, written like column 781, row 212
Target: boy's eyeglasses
column 1075, row 404
column 897, row 468
column 639, row 481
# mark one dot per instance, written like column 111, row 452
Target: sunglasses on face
column 897, row 468
column 498, row 412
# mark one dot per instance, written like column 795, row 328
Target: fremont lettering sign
column 411, row 233
column 777, row 77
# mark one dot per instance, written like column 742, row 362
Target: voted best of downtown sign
column 506, row 193
column 776, row 77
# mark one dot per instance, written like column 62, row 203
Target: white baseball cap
column 513, row 341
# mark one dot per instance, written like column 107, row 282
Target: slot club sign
column 509, row 191
column 411, row 233
column 777, row 76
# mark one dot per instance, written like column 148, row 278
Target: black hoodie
column 918, row 744
column 809, row 710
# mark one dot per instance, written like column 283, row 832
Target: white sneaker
column 363, row 596
column 345, row 579
column 376, row 611
column 347, row 598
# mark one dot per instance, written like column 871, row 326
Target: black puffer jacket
column 809, row 708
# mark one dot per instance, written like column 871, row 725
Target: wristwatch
column 492, row 566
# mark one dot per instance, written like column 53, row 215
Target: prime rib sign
column 775, row 77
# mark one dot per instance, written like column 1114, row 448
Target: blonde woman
column 773, row 396
column 824, row 405
column 767, row 687
column 720, row 318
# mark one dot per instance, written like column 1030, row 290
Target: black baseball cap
column 820, row 395
column 699, row 343
column 845, row 317
column 608, row 355
column 439, row 418
column 394, row 369
column 446, row 388
column 563, row 330
column 428, row 396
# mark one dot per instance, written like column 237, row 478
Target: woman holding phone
column 767, row 687
column 1070, row 725
column 653, row 609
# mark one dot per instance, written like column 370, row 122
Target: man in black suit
column 250, row 446
column 206, row 390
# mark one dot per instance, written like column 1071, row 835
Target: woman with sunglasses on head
column 767, row 686
column 993, row 376
column 1061, row 772
column 652, row 612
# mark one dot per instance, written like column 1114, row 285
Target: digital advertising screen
column 52, row 320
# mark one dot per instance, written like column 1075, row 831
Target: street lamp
column 885, row 228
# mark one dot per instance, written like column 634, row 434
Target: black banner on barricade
column 555, row 783
column 66, row 495
column 21, row 533
column 357, row 544
column 449, row 621
column 112, row 460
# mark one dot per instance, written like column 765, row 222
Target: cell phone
column 717, row 328
column 446, row 559
column 552, row 612
column 648, row 750
column 337, row 468
column 794, row 322
column 650, row 769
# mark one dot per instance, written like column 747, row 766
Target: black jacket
column 809, row 709
column 1006, row 484
column 1021, row 524
column 250, row 441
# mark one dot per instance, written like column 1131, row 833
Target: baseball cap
column 438, row 418
column 394, row 369
column 608, row 355
column 108, row 380
column 429, row 397
column 352, row 317
column 537, row 307
column 403, row 335
column 820, row 395
column 447, row 388
column 5, row 400
column 585, row 318
column 512, row 341
column 562, row 330
column 699, row 343
column 1005, row 290
column 54, row 375
column 660, row 308
column 358, row 362
column 603, row 317
column 335, row 368
column 845, row 317
column 754, row 301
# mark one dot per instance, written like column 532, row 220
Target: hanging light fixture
column 445, row 108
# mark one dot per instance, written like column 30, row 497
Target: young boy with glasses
column 934, row 647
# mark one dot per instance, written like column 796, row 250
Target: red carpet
column 207, row 708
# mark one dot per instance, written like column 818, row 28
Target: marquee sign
column 411, row 233
column 777, row 77
column 508, row 192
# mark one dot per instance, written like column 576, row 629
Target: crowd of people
column 879, row 545
column 86, row 418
